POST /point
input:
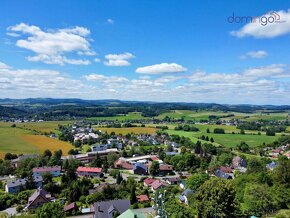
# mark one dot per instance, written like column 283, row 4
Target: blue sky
column 146, row 50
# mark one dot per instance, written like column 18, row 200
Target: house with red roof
column 149, row 181
column 90, row 171
column 158, row 184
column 142, row 198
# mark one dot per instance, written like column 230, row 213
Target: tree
column 133, row 198
column 97, row 162
column 119, row 178
column 283, row 171
column 207, row 130
column 197, row 148
column 258, row 200
column 219, row 131
column 154, row 168
column 196, row 180
column 47, row 153
column 216, row 197
column 53, row 210
column 244, row 147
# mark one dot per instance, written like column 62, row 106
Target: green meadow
column 122, row 117
column 228, row 139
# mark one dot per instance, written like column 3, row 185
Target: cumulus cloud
column 161, row 68
column 259, row 85
column 264, row 27
column 52, row 46
column 118, row 60
column 255, row 54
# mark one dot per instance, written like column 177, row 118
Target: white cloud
column 110, row 21
column 270, row 30
column 4, row 66
column 260, row 85
column 105, row 79
column 255, row 54
column 161, row 68
column 97, row 60
column 51, row 46
column 118, row 60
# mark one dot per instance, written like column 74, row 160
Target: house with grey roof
column 18, row 185
column 108, row 209
column 38, row 198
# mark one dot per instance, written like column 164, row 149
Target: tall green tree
column 216, row 197
column 53, row 210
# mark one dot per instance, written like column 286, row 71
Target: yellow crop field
column 124, row 131
column 43, row 143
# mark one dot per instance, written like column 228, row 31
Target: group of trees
column 187, row 128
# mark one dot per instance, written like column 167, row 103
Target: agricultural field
column 191, row 115
column 228, row 139
column 22, row 141
column 43, row 127
column 122, row 117
column 124, row 131
column 204, row 115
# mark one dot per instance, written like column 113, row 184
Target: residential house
column 38, row 198
column 271, row 166
column 148, row 181
column 108, row 209
column 132, row 214
column 173, row 180
column 165, row 169
column 54, row 171
column 226, row 169
column 221, row 174
column 184, row 196
column 18, row 185
column 158, row 184
column 142, row 198
column 102, row 147
column 140, row 169
column 238, row 162
column 90, row 171
column 71, row 208
column 16, row 161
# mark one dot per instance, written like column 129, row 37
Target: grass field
column 21, row 141
column 123, row 117
column 43, row 127
column 229, row 140
column 204, row 115
column 124, row 131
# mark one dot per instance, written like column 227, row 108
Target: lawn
column 122, row 117
column 21, row 141
column 124, row 131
